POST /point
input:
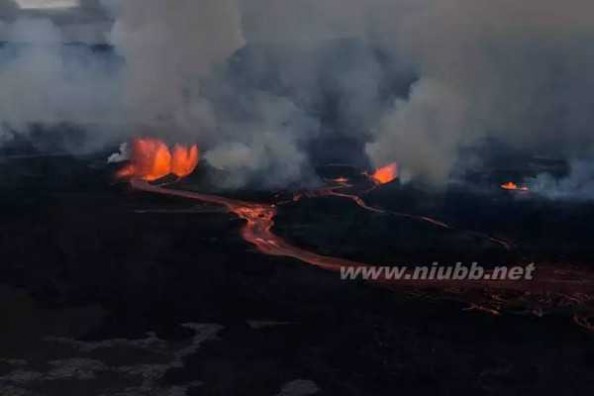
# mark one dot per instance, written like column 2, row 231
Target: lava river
column 566, row 287
column 257, row 230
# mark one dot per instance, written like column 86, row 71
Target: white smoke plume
column 121, row 156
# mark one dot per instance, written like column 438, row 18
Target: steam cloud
column 413, row 81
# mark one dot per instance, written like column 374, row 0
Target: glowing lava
column 555, row 287
column 257, row 230
column 184, row 160
column 511, row 186
column 386, row 175
column 152, row 160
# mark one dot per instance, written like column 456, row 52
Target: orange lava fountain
column 151, row 159
column 386, row 175
column 184, row 160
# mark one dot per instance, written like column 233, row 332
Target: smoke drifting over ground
column 578, row 185
column 258, row 82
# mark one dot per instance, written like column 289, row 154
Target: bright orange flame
column 386, row 174
column 184, row 160
column 152, row 160
column 511, row 186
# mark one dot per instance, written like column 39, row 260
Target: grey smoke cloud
column 180, row 81
column 266, row 151
column 43, row 83
column 522, row 72
column 167, row 47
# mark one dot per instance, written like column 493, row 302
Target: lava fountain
column 386, row 174
column 151, row 160
column 184, row 160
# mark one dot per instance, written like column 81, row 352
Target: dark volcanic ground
column 106, row 291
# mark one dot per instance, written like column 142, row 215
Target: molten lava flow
column 338, row 192
column 152, row 160
column 511, row 186
column 553, row 288
column 385, row 175
column 259, row 220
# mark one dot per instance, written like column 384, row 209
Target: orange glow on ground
column 511, row 186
